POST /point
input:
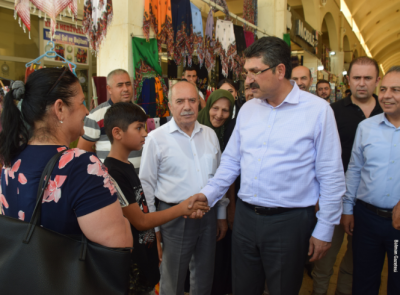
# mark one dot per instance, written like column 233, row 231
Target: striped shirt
column 94, row 132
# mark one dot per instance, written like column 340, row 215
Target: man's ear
column 117, row 133
column 109, row 89
column 281, row 70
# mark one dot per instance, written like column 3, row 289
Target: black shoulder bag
column 37, row 261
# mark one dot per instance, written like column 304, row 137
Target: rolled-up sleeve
column 329, row 173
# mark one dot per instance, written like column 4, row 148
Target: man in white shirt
column 177, row 161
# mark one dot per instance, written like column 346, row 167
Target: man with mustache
column 247, row 92
column 303, row 77
column 286, row 148
column 373, row 186
column 119, row 86
column 323, row 90
column 178, row 159
column 363, row 75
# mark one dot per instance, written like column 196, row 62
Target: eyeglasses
column 58, row 80
column 251, row 74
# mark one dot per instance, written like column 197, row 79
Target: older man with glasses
column 286, row 147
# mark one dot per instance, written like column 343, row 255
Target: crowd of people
column 234, row 198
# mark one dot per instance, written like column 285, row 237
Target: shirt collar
column 292, row 98
column 174, row 127
column 110, row 102
column 384, row 120
column 347, row 100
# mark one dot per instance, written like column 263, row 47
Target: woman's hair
column 42, row 89
column 228, row 81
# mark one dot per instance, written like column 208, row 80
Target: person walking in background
column 303, row 77
column 323, row 90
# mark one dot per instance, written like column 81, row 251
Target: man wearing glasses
column 286, row 147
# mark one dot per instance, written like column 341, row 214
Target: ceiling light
column 344, row 73
column 320, row 68
column 332, row 53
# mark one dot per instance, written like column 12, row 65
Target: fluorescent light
column 332, row 53
column 344, row 73
column 320, row 68
column 383, row 71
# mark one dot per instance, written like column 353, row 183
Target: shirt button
column 194, row 155
column 269, row 126
column 198, row 170
column 392, row 162
column 388, row 195
column 264, row 143
column 259, row 160
column 390, row 178
column 395, row 145
column 255, row 177
column 255, row 195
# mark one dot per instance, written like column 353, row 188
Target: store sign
column 66, row 38
column 304, row 33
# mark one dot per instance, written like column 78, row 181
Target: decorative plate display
column 69, row 48
column 69, row 57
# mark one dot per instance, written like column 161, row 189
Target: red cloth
column 101, row 88
column 249, row 36
column 28, row 71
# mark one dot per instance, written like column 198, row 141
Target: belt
column 380, row 212
column 268, row 210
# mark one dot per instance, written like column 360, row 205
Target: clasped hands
column 196, row 206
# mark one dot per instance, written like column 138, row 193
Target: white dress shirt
column 288, row 156
column 176, row 166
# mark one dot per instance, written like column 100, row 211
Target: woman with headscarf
column 218, row 115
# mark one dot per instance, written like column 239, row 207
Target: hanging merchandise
column 248, row 14
column 51, row 8
column 161, row 99
column 183, row 31
column 197, row 22
column 97, row 16
column 240, row 40
column 223, row 4
column 146, row 51
column 249, row 36
column 157, row 15
column 226, row 37
column 209, row 43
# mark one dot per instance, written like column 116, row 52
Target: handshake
column 195, row 206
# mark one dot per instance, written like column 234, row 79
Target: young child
column 124, row 125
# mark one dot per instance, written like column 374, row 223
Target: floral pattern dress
column 79, row 185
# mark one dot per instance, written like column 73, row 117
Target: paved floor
column 306, row 288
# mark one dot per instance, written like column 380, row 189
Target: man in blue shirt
column 286, row 147
column 373, row 189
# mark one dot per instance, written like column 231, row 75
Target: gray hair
column 113, row 73
column 394, row 69
column 173, row 86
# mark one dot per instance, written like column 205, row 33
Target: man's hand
column 317, row 249
column 222, row 227
column 396, row 216
column 230, row 214
column 193, row 199
column 159, row 248
column 348, row 223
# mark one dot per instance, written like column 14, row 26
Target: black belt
column 380, row 212
column 268, row 210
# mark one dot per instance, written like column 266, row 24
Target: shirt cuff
column 157, row 229
column 347, row 209
column 323, row 232
column 221, row 213
column 208, row 192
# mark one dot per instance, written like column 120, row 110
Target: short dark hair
column 122, row 115
column 322, row 82
column 274, row 51
column 188, row 69
column 228, row 81
column 394, row 69
column 364, row 60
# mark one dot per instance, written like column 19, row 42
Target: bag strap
column 46, row 174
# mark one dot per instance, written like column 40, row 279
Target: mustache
column 254, row 85
column 186, row 113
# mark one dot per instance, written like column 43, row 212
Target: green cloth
column 204, row 114
column 286, row 38
column 146, row 51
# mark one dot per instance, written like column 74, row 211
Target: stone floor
column 307, row 287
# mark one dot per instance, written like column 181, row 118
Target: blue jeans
column 373, row 237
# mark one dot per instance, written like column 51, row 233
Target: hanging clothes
column 150, row 125
column 157, row 15
column 240, row 40
column 183, row 31
column 209, row 57
column 249, row 36
column 197, row 22
column 51, row 8
column 161, row 101
column 225, row 35
column 224, row 6
column 248, row 14
column 97, row 16
column 144, row 100
column 147, row 52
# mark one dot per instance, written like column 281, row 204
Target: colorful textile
column 209, row 58
column 248, row 14
column 79, row 185
column 197, row 20
column 204, row 114
column 226, row 37
column 183, row 30
column 152, row 102
column 210, row 25
column 224, row 6
column 144, row 100
column 97, row 16
column 52, row 8
column 249, row 36
column 240, row 40
column 157, row 15
column 150, row 125
column 162, row 102
column 147, row 52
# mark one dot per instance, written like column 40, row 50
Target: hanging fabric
column 97, row 16
column 224, row 6
column 51, row 8
column 249, row 36
column 248, row 14
column 197, row 22
column 183, row 30
column 209, row 41
column 147, row 52
column 225, row 36
column 157, row 15
column 240, row 40
column 162, row 104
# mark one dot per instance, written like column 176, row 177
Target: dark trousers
column 270, row 248
column 373, row 237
